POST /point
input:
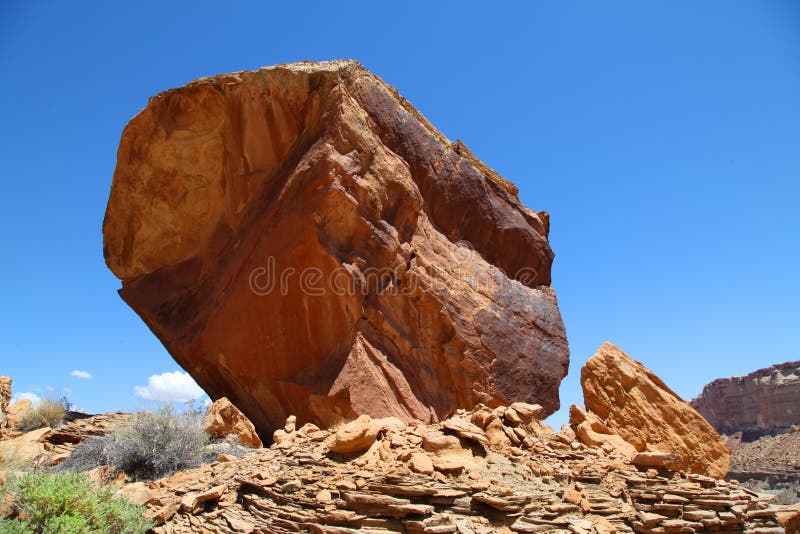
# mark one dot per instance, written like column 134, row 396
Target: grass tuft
column 48, row 412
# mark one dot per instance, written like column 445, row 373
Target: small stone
column 354, row 437
column 436, row 441
column 290, row 425
column 192, row 502
column 421, row 463
column 449, row 464
column 292, row 486
column 572, row 496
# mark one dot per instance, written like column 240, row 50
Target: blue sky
column 663, row 138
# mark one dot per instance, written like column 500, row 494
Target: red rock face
column 304, row 242
column 763, row 402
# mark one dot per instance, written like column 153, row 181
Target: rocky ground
column 449, row 477
column 771, row 463
column 482, row 471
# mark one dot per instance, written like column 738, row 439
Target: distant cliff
column 764, row 402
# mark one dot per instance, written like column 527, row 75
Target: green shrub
column 151, row 445
column 48, row 412
column 67, row 503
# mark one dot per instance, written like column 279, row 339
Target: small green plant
column 67, row 503
column 151, row 445
column 48, row 412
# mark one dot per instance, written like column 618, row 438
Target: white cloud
column 26, row 395
column 67, row 390
column 170, row 387
column 86, row 375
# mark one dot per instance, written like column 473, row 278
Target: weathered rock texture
column 5, row 393
column 5, row 398
column 764, row 402
column 223, row 419
column 449, row 478
column 303, row 241
column 635, row 404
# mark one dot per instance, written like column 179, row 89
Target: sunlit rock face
column 635, row 404
column 763, row 402
column 303, row 241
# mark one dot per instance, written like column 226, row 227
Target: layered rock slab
column 304, row 242
column 636, row 405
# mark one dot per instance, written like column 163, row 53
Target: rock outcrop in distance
column 303, row 241
column 764, row 402
column 625, row 399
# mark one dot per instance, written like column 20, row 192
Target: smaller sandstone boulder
column 636, row 405
column 15, row 411
column 224, row 419
column 355, row 436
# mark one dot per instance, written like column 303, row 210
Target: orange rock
column 355, row 436
column 5, row 393
column 223, row 419
column 15, row 411
column 635, row 404
column 5, row 398
column 304, row 242
column 789, row 519
column 591, row 431
column 421, row 463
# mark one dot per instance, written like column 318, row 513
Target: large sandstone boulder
column 635, row 404
column 303, row 241
column 763, row 402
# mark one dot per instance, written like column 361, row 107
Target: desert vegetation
column 154, row 444
column 67, row 503
column 48, row 412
